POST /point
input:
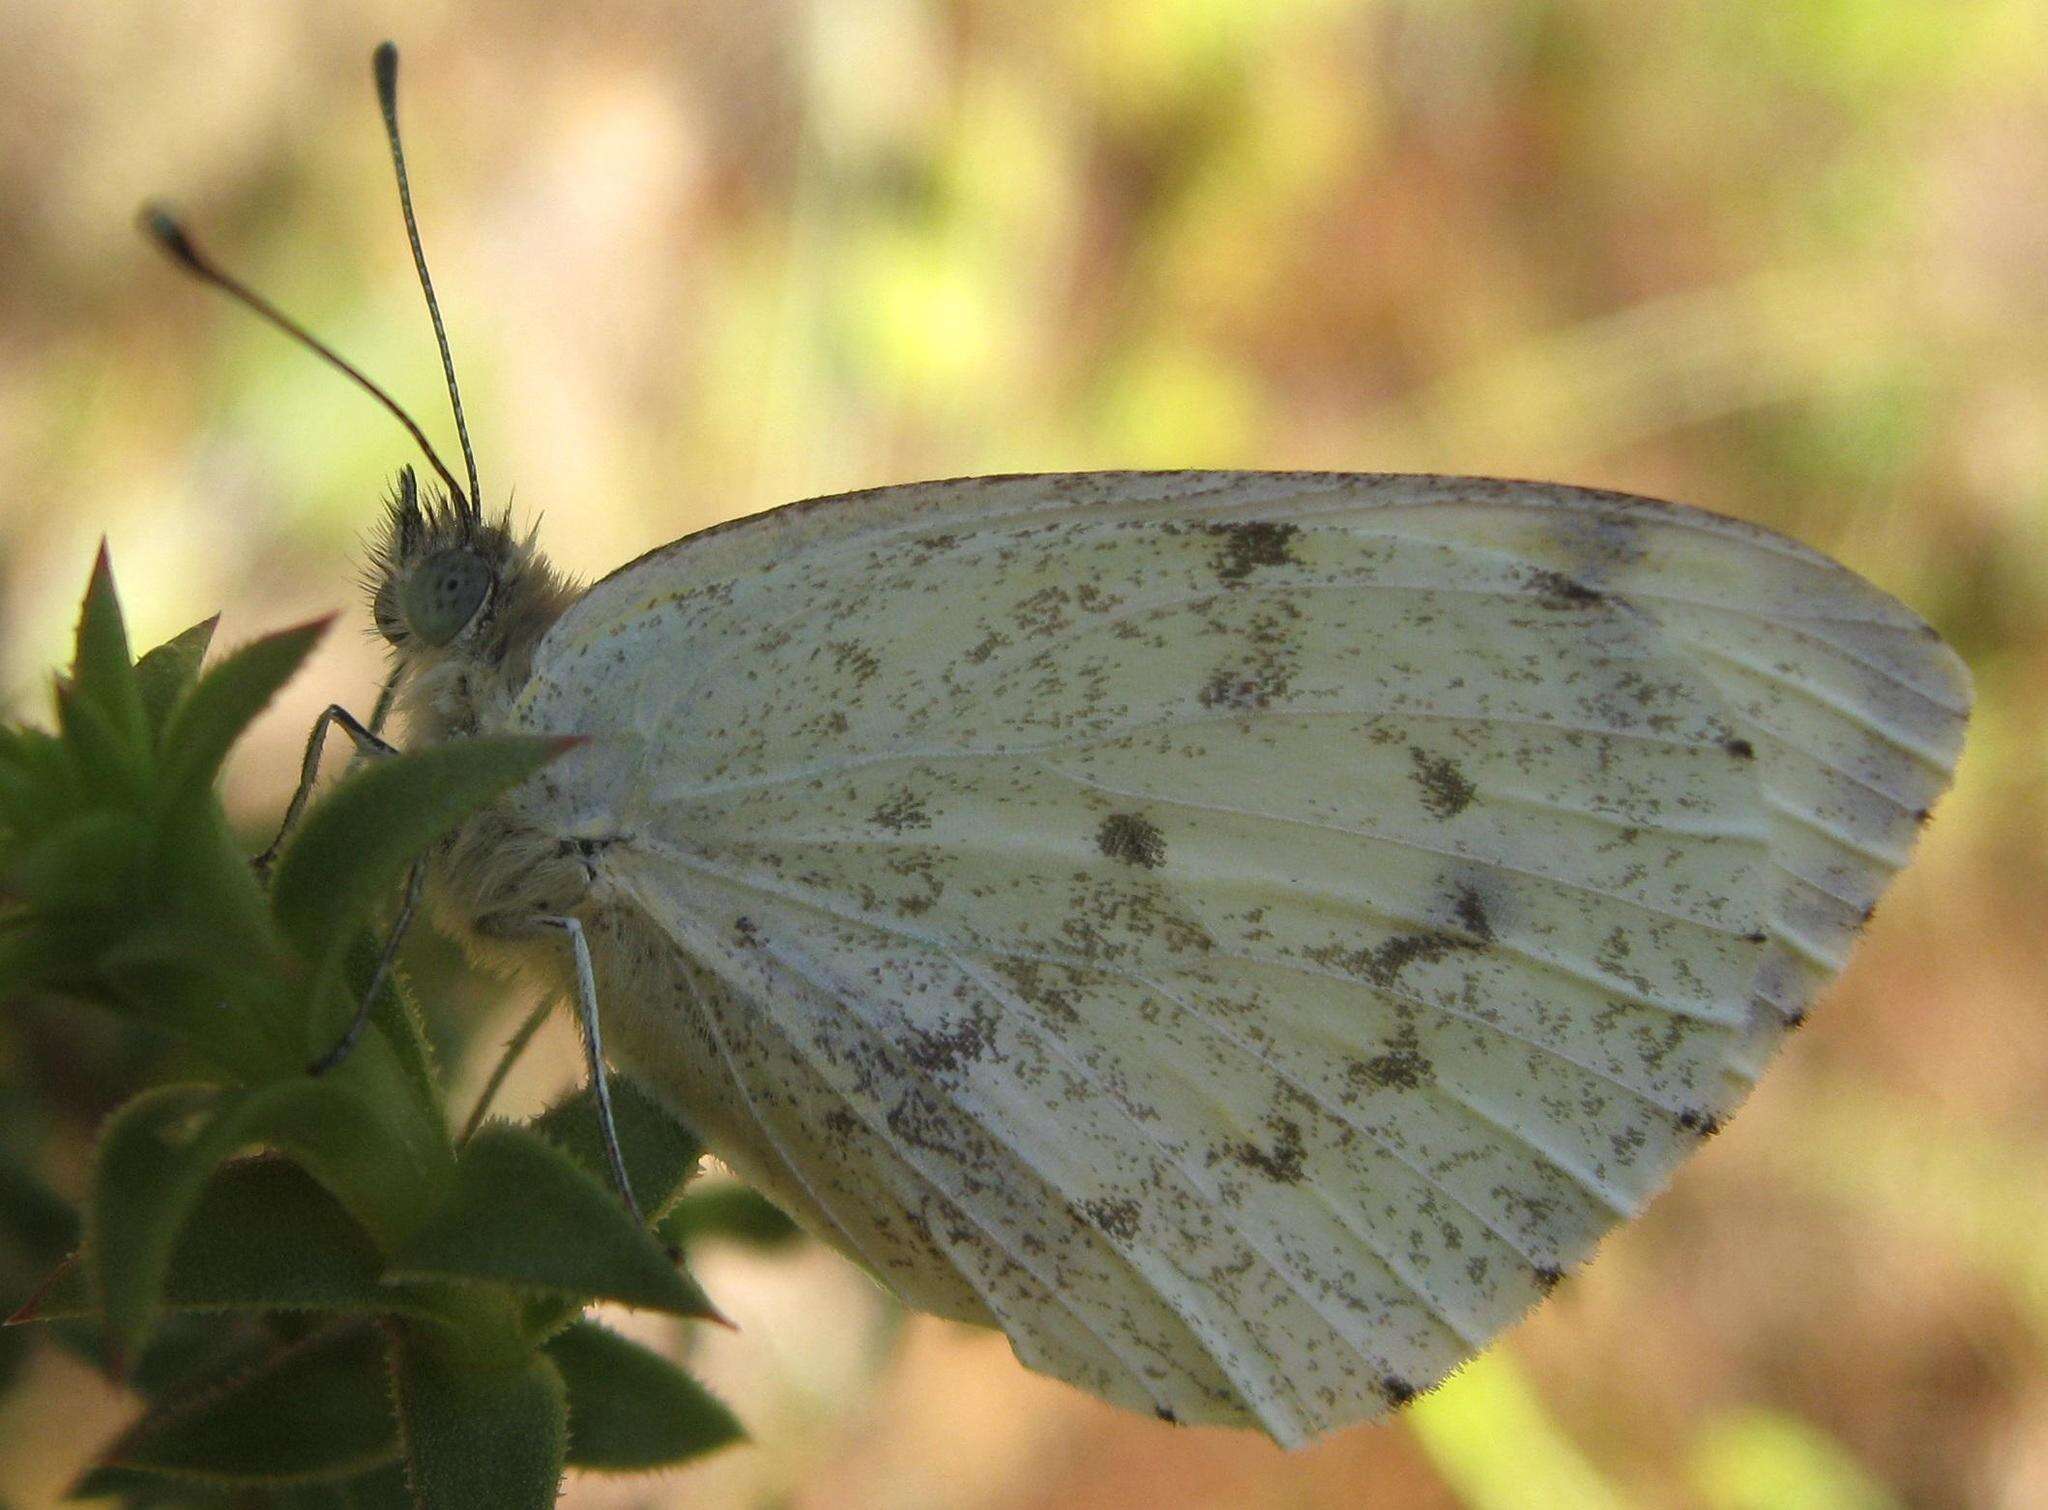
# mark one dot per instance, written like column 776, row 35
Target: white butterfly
column 1246, row 935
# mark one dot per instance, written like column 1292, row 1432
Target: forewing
column 1246, row 935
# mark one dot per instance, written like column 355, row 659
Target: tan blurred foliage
column 1784, row 261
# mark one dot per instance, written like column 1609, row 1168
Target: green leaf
column 166, row 673
column 396, row 1014
column 185, row 1353
column 661, row 1153
column 316, row 1409
column 358, row 1131
column 110, row 766
column 353, row 847
column 154, row 1158
column 631, row 1409
column 493, row 1439
column 379, row 1489
column 364, row 1136
column 733, row 1213
column 89, row 863
column 265, row 1236
column 102, row 672
column 42, row 957
column 524, row 1214
column 38, row 1221
column 37, row 780
column 211, row 716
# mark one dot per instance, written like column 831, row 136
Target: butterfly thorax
column 463, row 604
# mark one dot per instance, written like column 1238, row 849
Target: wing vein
column 690, row 792
column 1209, row 1193
column 782, row 950
column 704, row 865
column 1398, row 842
column 1338, row 1113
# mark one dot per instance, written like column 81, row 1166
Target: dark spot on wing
column 1132, row 839
column 1559, row 591
column 1284, row 1162
column 1921, row 815
column 1705, row 1123
column 1383, row 965
column 1549, row 1276
column 903, row 810
column 987, row 646
column 937, row 1050
column 852, row 658
column 1398, row 1391
column 1741, row 749
column 1166, row 1415
column 1243, row 548
column 1117, row 1218
column 1446, row 790
column 1470, row 911
column 1397, row 1069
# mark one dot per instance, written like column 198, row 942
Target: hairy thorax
column 502, row 869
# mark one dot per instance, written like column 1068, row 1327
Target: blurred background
column 1783, row 261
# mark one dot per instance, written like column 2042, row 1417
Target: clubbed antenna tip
column 157, row 222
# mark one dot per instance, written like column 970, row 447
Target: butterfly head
column 435, row 571
column 454, row 594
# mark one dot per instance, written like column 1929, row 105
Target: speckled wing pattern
column 1245, row 935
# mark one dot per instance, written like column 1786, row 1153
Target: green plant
column 324, row 1295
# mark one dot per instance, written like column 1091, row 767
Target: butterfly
column 1245, row 935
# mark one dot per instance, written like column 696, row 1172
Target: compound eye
column 443, row 594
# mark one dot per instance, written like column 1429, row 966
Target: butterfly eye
column 443, row 594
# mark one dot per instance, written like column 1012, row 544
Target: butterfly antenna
column 384, row 63
column 162, row 227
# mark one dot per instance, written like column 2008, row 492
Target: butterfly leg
column 408, row 909
column 366, row 741
column 593, row 1054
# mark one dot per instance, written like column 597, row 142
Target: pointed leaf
column 354, row 846
column 111, row 767
column 660, row 1152
column 34, row 1218
column 732, row 1213
column 134, row 1489
column 357, row 1131
column 525, row 1214
column 102, row 672
column 631, row 1409
column 396, row 1014
column 379, row 1489
column 90, row 863
column 166, row 673
column 265, row 1236
column 318, row 1409
column 184, row 1352
column 492, row 1439
column 63, row 1294
column 153, row 1161
column 364, row 1136
column 206, row 722
column 37, row 780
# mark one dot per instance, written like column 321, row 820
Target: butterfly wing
column 1246, row 935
